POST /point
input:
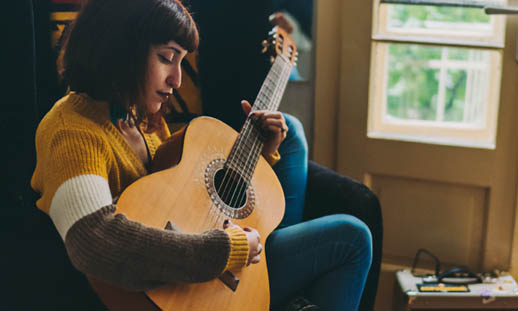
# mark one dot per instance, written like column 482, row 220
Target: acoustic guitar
column 205, row 173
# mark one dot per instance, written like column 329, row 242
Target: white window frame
column 482, row 135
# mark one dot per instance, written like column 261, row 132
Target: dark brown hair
column 106, row 50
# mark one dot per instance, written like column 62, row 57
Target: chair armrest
column 329, row 192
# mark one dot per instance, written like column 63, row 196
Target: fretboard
column 249, row 144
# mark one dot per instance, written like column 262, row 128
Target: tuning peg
column 265, row 46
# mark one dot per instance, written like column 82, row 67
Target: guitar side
column 179, row 194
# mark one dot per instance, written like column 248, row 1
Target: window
column 435, row 73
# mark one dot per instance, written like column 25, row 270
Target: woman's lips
column 164, row 95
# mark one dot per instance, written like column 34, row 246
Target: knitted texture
column 77, row 138
column 239, row 250
column 132, row 256
column 272, row 158
column 83, row 161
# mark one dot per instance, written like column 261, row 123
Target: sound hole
column 231, row 187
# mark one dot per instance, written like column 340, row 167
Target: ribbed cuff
column 272, row 158
column 239, row 249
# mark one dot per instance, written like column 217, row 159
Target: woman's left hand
column 273, row 126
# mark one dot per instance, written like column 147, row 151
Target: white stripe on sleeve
column 76, row 198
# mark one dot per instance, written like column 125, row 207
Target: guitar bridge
column 230, row 280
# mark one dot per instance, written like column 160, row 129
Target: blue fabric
column 292, row 170
column 326, row 260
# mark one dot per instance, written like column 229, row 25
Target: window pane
column 438, row 18
column 458, row 54
column 412, row 85
column 437, row 84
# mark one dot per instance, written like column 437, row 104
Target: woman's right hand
column 254, row 242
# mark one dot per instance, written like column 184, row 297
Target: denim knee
column 350, row 228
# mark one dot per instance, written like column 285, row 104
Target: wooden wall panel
column 447, row 219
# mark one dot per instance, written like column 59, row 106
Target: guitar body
column 181, row 194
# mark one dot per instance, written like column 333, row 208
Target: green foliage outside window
column 412, row 88
column 416, row 15
column 413, row 84
column 455, row 96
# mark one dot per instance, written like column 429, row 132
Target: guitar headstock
column 280, row 43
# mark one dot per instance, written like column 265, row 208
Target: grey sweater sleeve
column 133, row 256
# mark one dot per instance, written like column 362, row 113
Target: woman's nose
column 174, row 79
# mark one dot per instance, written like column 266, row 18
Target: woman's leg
column 292, row 170
column 326, row 259
column 327, row 193
column 331, row 193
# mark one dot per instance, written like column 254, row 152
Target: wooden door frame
column 327, row 74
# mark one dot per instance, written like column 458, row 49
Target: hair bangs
column 172, row 21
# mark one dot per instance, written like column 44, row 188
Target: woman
column 122, row 61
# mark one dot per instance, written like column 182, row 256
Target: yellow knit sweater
column 83, row 162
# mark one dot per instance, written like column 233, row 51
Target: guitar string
column 276, row 94
column 234, row 168
column 248, row 151
column 238, row 152
column 273, row 98
column 253, row 155
column 224, row 183
column 214, row 210
column 228, row 180
column 265, row 96
column 228, row 167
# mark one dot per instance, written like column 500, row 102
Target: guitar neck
column 273, row 87
column 249, row 144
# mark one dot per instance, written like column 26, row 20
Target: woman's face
column 164, row 73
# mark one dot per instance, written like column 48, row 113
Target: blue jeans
column 292, row 170
column 325, row 259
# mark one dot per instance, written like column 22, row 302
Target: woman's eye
column 164, row 59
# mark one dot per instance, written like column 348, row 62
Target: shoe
column 301, row 304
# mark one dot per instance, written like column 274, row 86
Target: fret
column 247, row 148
